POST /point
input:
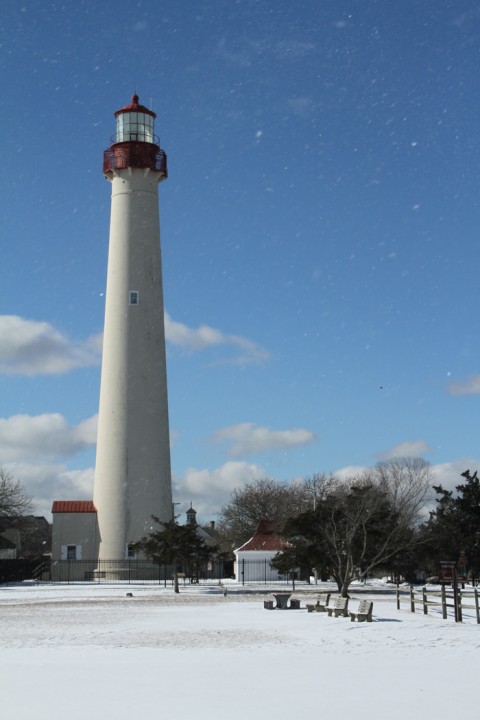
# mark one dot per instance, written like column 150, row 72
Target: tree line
column 373, row 522
column 340, row 528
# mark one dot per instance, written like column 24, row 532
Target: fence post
column 265, row 570
column 412, row 600
column 444, row 603
column 459, row 596
column 425, row 602
column 243, row 571
column 477, row 610
column 398, row 596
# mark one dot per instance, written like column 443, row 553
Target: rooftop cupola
column 191, row 516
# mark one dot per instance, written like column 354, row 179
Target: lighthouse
column 132, row 473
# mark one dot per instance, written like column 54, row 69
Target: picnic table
column 282, row 599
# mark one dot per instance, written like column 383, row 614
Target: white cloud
column 209, row 490
column 350, row 471
column 27, row 437
column 249, row 440
column 449, row 475
column 28, row 347
column 470, row 387
column 46, row 482
column 409, row 448
column 206, row 337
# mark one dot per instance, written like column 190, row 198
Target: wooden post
column 459, row 595
column 398, row 596
column 477, row 609
column 412, row 600
column 444, row 603
column 425, row 602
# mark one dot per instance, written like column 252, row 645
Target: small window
column 133, row 297
column 71, row 552
column 130, row 552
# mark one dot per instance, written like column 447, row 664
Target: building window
column 133, row 297
column 130, row 552
column 71, row 552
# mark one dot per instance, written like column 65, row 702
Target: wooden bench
column 320, row 605
column 363, row 612
column 339, row 608
column 268, row 605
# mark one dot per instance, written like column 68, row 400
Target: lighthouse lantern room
column 135, row 143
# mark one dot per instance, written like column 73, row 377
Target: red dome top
column 135, row 107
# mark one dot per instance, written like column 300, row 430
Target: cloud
column 29, row 347
column 470, row 387
column 46, row 482
column 249, row 440
column 409, row 448
column 43, row 437
column 449, row 474
column 32, row 348
column 205, row 337
column 209, row 490
column 350, row 471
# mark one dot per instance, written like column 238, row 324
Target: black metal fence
column 130, row 571
column 144, row 571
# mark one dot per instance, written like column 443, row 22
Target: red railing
column 135, row 155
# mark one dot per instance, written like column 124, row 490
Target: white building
column 252, row 559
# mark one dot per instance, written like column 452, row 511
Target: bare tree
column 14, row 501
column 360, row 523
column 315, row 487
column 406, row 481
column 261, row 499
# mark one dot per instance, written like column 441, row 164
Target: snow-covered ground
column 88, row 652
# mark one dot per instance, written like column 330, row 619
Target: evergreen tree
column 454, row 526
column 176, row 545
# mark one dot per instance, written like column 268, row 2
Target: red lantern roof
column 135, row 107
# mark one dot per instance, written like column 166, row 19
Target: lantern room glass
column 134, row 126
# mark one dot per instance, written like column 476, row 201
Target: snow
column 81, row 651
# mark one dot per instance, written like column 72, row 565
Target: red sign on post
column 447, row 571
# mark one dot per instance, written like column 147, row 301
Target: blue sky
column 319, row 234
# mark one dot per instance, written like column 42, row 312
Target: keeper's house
column 252, row 560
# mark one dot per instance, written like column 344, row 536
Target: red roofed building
column 75, row 531
column 252, row 559
column 73, row 506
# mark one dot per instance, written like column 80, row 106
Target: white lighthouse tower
column 133, row 475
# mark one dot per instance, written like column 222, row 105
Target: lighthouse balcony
column 134, row 155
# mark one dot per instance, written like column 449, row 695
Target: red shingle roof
column 73, row 506
column 265, row 539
